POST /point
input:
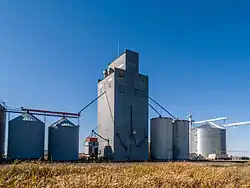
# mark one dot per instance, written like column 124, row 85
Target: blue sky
column 196, row 54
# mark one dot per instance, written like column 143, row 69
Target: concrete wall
column 120, row 62
column 132, row 62
column 128, row 61
column 105, row 112
column 131, row 95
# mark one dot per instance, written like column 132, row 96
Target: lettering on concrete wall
column 123, row 89
column 137, row 92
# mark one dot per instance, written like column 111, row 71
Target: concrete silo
column 63, row 141
column 161, row 136
column 26, row 138
column 208, row 139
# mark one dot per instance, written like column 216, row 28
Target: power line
column 154, row 109
column 163, row 108
column 90, row 103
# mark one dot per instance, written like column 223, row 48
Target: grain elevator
column 123, row 110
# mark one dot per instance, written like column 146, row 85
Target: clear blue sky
column 196, row 54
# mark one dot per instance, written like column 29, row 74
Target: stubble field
column 124, row 175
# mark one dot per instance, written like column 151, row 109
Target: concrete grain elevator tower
column 123, row 110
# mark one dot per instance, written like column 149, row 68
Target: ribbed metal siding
column 181, row 140
column 223, row 134
column 26, row 138
column 193, row 141
column 210, row 140
column 161, row 135
column 2, row 129
column 63, row 141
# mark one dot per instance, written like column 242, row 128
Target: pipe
column 50, row 112
column 210, row 120
column 100, row 136
column 217, row 126
column 40, row 114
column 237, row 124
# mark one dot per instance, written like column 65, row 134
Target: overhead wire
column 110, row 110
column 85, row 107
column 112, row 117
column 93, row 131
column 154, row 109
column 163, row 108
column 91, row 134
column 90, row 103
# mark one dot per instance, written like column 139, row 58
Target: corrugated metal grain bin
column 193, row 147
column 209, row 139
column 2, row 129
column 63, row 143
column 26, row 138
column 181, row 140
column 161, row 136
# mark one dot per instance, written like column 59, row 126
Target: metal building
column 2, row 128
column 208, row 139
column 63, row 141
column 123, row 110
column 181, row 140
column 26, row 137
column 161, row 136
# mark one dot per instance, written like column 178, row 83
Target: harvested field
column 124, row 175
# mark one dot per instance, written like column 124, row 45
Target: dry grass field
column 124, row 175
